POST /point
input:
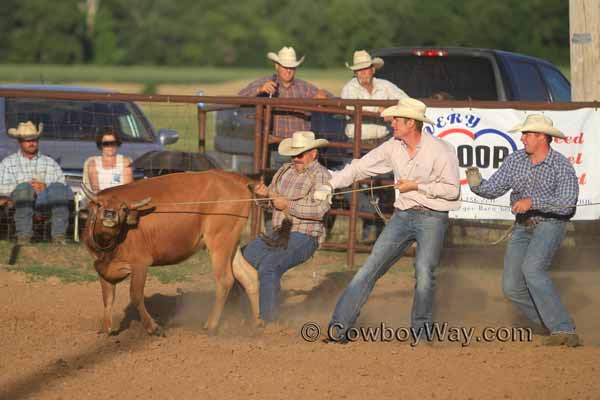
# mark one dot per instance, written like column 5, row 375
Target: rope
column 371, row 188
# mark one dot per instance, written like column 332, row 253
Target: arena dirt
column 50, row 347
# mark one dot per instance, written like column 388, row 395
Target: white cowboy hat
column 285, row 57
column 300, row 142
column 540, row 124
column 408, row 108
column 362, row 60
column 26, row 131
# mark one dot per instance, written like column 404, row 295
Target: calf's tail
column 280, row 236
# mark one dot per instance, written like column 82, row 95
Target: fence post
column 201, row 130
column 257, row 211
column 265, row 156
column 354, row 197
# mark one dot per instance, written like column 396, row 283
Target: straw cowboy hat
column 408, row 108
column 285, row 57
column 362, row 60
column 540, row 124
column 300, row 142
column 26, row 131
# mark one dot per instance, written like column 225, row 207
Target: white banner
column 481, row 139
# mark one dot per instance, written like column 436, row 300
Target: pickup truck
column 459, row 73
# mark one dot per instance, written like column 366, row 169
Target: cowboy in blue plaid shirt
column 544, row 194
column 34, row 180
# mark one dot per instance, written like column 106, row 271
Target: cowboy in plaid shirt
column 291, row 196
column 34, row 180
column 283, row 84
column 544, row 194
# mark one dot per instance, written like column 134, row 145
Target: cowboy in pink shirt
column 427, row 187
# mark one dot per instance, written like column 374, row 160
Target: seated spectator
column 364, row 86
column 34, row 181
column 108, row 169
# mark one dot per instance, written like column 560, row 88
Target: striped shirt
column 17, row 168
column 285, row 123
column 307, row 214
column 552, row 184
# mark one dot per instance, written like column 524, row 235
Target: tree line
column 240, row 33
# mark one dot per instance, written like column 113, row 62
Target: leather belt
column 529, row 222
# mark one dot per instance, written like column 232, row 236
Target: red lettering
column 570, row 139
column 576, row 159
column 582, row 180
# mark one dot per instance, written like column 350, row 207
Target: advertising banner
column 481, row 139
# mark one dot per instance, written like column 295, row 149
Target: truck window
column 462, row 77
column 559, row 86
column 77, row 120
column 529, row 82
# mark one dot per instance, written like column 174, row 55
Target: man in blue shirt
column 34, row 180
column 544, row 194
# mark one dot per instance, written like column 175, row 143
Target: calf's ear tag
column 132, row 217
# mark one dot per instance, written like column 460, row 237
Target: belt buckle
column 530, row 222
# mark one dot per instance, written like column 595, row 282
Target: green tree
column 46, row 32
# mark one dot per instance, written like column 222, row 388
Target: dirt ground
column 50, row 347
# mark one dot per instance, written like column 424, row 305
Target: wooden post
column 265, row 151
column 354, row 196
column 584, row 33
column 257, row 211
column 201, row 130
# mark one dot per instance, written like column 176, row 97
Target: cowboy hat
column 408, row 108
column 540, row 124
column 300, row 142
column 362, row 60
column 285, row 57
column 26, row 131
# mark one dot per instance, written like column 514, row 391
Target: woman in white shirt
column 109, row 169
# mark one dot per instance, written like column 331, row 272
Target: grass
column 46, row 74
column 72, row 263
column 65, row 274
column 184, row 119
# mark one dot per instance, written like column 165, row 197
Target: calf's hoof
column 158, row 332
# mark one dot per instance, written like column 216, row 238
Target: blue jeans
column 55, row 197
column 428, row 229
column 526, row 281
column 272, row 263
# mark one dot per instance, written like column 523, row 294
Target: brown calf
column 162, row 221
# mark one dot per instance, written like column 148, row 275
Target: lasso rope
column 370, row 188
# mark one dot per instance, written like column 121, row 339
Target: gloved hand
column 473, row 177
column 323, row 193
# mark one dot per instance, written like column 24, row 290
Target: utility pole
column 584, row 33
column 90, row 8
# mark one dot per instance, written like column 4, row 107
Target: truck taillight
column 430, row 53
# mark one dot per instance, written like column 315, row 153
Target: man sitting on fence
column 283, row 84
column 365, row 86
column 33, row 180
column 291, row 197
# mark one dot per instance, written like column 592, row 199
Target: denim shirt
column 551, row 184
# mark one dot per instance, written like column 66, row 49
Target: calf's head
column 109, row 216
